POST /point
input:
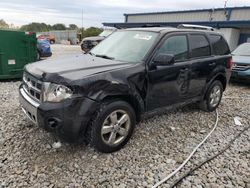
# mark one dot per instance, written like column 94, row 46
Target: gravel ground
column 158, row 146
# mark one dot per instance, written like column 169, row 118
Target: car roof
column 170, row 29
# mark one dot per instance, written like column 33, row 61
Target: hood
column 74, row 67
column 97, row 38
column 241, row 59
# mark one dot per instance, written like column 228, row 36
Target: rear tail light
column 230, row 63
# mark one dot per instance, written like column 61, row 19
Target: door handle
column 212, row 64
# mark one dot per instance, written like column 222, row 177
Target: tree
column 35, row 27
column 73, row 27
column 59, row 26
column 3, row 24
column 92, row 31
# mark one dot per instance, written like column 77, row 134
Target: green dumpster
column 16, row 50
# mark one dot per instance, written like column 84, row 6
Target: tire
column 52, row 42
column 106, row 136
column 38, row 56
column 214, row 92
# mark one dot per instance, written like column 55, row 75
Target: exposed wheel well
column 131, row 100
column 222, row 79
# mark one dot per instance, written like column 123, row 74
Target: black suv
column 100, row 96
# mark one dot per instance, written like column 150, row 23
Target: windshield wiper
column 104, row 56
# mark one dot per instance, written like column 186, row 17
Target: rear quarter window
column 219, row 45
column 199, row 46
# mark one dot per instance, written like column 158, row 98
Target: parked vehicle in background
column 43, row 48
column 50, row 38
column 89, row 42
column 99, row 96
column 241, row 59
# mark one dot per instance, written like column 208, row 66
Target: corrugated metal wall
column 173, row 17
column 70, row 35
column 240, row 14
column 195, row 16
column 232, row 36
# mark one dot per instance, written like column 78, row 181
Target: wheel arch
column 136, row 103
column 222, row 78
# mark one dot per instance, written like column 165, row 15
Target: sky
column 95, row 12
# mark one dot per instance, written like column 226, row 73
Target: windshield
column 242, row 50
column 128, row 46
column 106, row 33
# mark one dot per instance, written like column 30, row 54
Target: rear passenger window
column 199, row 46
column 219, row 45
column 177, row 46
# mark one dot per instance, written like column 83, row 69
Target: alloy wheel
column 116, row 127
column 215, row 96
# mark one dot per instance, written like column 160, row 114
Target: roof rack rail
column 151, row 25
column 200, row 27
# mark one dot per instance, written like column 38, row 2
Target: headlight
column 56, row 93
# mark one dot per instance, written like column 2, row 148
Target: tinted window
column 177, row 46
column 219, row 45
column 199, row 46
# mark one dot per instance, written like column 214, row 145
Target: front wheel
column 112, row 126
column 212, row 97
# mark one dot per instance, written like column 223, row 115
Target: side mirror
column 163, row 60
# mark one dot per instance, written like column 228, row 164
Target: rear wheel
column 38, row 56
column 112, row 126
column 212, row 97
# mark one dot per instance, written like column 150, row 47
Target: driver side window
column 177, row 46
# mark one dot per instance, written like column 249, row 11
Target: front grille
column 32, row 86
column 241, row 67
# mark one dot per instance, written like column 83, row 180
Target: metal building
column 233, row 22
column 64, row 35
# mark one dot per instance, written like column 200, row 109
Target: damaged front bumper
column 28, row 105
column 68, row 119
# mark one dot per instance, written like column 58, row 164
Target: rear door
column 169, row 84
column 221, row 54
column 202, row 64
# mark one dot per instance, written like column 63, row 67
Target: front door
column 169, row 84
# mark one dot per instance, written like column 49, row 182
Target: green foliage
column 59, row 26
column 73, row 27
column 42, row 27
column 92, row 31
column 3, row 24
column 35, row 27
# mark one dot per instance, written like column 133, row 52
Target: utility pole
column 82, row 25
column 225, row 9
column 225, row 5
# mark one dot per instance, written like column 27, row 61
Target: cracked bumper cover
column 71, row 117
